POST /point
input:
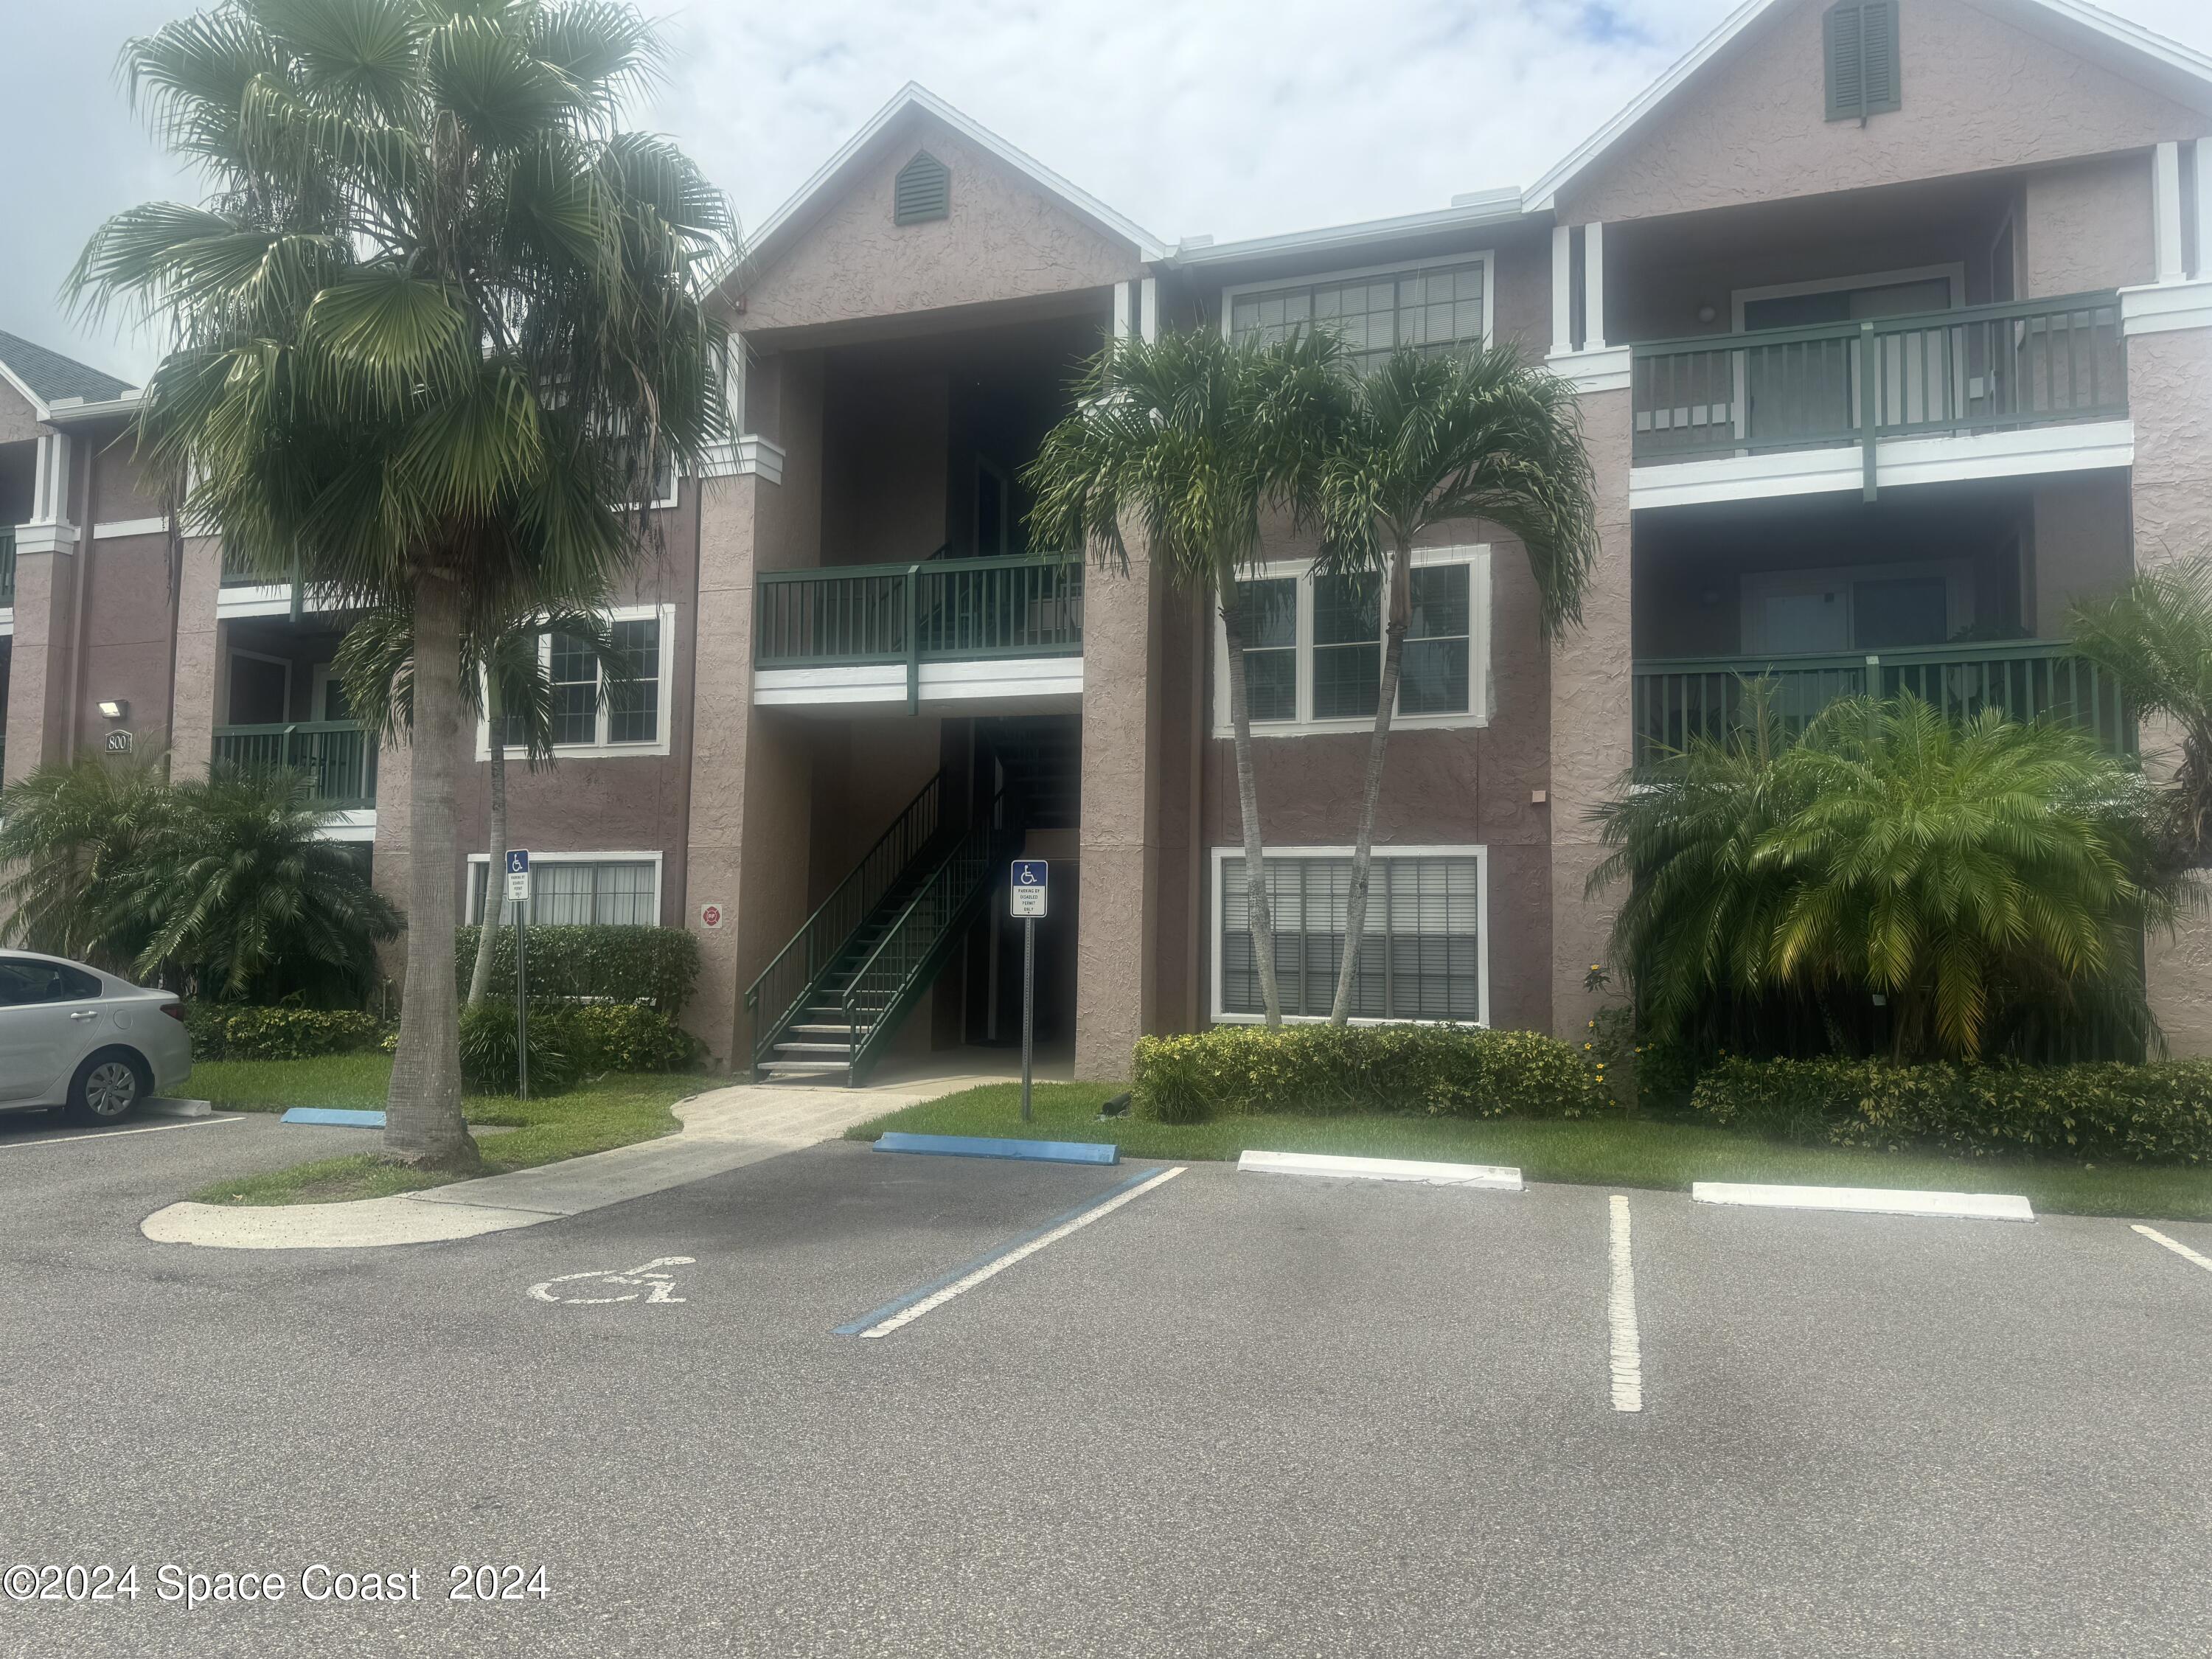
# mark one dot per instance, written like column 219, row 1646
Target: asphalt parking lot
column 1234, row 1414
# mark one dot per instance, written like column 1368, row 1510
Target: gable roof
column 2126, row 48
column 47, row 378
column 789, row 221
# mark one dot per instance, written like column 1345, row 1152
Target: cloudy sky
column 1235, row 117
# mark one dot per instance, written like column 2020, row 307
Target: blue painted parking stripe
column 1112, row 1197
column 1047, row 1152
column 343, row 1117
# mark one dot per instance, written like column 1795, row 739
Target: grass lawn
column 590, row 1118
column 1609, row 1152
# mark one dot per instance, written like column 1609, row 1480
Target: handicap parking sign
column 1027, row 886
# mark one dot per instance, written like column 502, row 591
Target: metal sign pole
column 522, row 999
column 1029, row 1005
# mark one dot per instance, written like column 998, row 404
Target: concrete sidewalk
column 723, row 1129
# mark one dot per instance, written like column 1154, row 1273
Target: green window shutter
column 1859, row 41
column 922, row 190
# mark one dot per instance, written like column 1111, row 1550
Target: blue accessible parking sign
column 1026, row 888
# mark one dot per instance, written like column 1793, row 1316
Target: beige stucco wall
column 1591, row 687
column 199, row 648
column 1117, row 942
column 1976, row 93
column 19, row 422
column 1005, row 239
column 2168, row 375
column 2087, row 226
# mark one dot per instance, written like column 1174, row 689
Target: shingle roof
column 53, row 376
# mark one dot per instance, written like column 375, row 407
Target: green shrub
column 618, row 1037
column 2160, row 1113
column 659, row 965
column 1442, row 1071
column 223, row 1031
column 488, row 1052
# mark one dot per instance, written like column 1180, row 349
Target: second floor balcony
column 335, row 757
column 990, row 631
column 1678, row 700
column 1869, row 390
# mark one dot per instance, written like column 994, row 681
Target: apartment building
column 1891, row 322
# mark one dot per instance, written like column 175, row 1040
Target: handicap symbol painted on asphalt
column 647, row 1281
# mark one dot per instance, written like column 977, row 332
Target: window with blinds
column 1433, row 307
column 1422, row 954
column 575, row 892
column 1860, row 40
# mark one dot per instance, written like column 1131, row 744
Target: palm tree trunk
column 495, row 907
column 1261, row 915
column 1363, row 848
column 423, row 1110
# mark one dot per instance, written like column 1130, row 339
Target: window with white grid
column 573, row 892
column 1433, row 307
column 1422, row 955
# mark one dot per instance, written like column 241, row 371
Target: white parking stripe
column 108, row 1135
column 1620, row 1313
column 1000, row 1264
column 2175, row 1245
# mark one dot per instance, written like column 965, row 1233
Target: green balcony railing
column 7, row 564
column 337, row 757
column 1681, row 698
column 1980, row 368
column 934, row 610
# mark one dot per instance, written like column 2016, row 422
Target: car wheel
column 108, row 1087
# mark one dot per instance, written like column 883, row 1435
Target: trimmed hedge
column 659, row 965
column 619, row 1037
column 2160, row 1113
column 1441, row 1071
column 222, row 1031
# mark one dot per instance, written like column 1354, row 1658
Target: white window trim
column 1755, row 585
column 1486, row 258
column 1479, row 852
column 470, row 894
column 600, row 749
column 1474, row 554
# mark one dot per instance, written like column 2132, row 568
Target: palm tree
column 505, row 680
column 436, row 329
column 230, row 889
column 1436, row 438
column 2154, row 638
column 1965, row 872
column 1191, row 437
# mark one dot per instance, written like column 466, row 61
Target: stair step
column 815, row 1050
column 776, row 1068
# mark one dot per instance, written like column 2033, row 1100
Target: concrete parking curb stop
column 1043, row 1152
column 163, row 1106
column 1488, row 1176
column 1867, row 1200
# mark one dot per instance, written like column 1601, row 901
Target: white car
column 73, row 1036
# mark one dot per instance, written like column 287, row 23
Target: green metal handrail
column 2029, row 362
column 913, row 947
column 793, row 976
column 937, row 610
column 1679, row 698
column 337, row 757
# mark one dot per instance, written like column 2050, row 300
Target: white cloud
column 1230, row 116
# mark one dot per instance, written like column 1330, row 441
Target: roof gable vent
column 922, row 190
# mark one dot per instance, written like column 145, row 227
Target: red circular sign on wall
column 710, row 915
